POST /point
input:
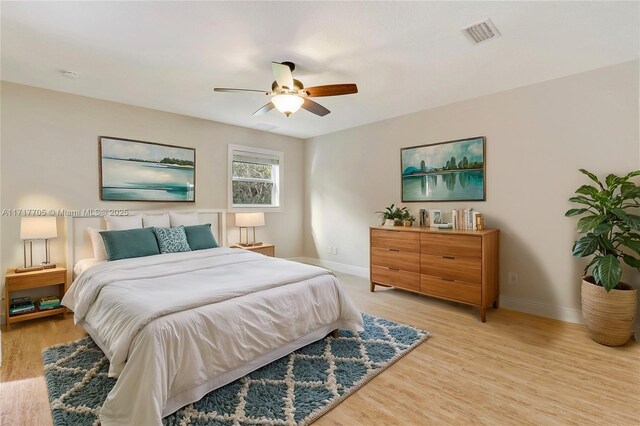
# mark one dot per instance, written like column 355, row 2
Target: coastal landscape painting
column 446, row 171
column 145, row 171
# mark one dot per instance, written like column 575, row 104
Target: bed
column 176, row 326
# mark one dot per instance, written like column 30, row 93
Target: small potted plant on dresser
column 610, row 235
column 394, row 215
column 408, row 219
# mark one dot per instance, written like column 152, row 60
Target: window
column 255, row 178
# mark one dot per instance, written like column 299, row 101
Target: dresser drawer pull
column 448, row 257
column 448, row 279
column 394, row 250
column 393, row 269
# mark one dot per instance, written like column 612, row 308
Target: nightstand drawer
column 267, row 251
column 29, row 280
column 396, row 278
column 393, row 258
column 458, row 268
column 451, row 245
column 403, row 241
column 461, row 291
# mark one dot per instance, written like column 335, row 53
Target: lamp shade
column 38, row 228
column 287, row 104
column 249, row 219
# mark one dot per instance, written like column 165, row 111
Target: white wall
column 49, row 159
column 537, row 138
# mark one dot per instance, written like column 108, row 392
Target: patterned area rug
column 294, row 390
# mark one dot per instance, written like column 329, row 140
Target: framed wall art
column 133, row 170
column 445, row 171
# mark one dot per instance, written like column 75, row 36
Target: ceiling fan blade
column 226, row 89
column 282, row 74
column 265, row 109
column 315, row 107
column 331, row 90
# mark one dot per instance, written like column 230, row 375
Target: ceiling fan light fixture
column 287, row 104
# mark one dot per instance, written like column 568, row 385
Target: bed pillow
column 172, row 240
column 157, row 220
column 130, row 243
column 200, row 237
column 119, row 223
column 184, row 219
column 99, row 252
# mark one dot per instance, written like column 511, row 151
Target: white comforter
column 175, row 326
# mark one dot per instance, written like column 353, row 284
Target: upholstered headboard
column 79, row 244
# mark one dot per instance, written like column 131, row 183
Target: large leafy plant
column 608, row 227
column 394, row 213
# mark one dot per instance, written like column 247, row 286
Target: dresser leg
column 483, row 314
column 372, row 287
column 496, row 303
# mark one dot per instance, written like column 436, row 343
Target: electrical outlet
column 330, row 251
column 335, row 250
column 513, row 277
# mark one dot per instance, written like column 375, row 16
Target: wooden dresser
column 449, row 264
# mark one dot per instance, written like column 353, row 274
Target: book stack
column 48, row 302
column 21, row 305
column 467, row 219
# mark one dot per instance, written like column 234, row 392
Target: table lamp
column 246, row 221
column 37, row 228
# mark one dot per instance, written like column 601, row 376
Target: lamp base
column 250, row 244
column 35, row 268
column 28, row 269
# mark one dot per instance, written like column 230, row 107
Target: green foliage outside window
column 252, row 192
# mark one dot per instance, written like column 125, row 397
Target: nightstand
column 265, row 248
column 34, row 279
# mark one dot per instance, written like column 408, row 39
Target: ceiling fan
column 289, row 94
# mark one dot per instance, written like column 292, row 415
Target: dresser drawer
column 396, row 278
column 457, row 268
column 451, row 245
column 403, row 241
column 461, row 291
column 393, row 258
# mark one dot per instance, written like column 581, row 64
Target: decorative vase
column 389, row 222
column 608, row 317
column 407, row 223
column 397, row 222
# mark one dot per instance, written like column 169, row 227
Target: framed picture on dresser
column 133, row 170
column 445, row 171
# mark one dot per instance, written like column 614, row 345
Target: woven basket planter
column 609, row 317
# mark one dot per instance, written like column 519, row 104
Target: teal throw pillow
column 130, row 243
column 200, row 237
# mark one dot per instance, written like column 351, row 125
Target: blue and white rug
column 294, row 390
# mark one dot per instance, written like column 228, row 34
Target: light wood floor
column 515, row 369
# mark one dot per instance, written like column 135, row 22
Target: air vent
column 263, row 126
column 481, row 31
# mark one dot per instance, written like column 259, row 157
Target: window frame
column 277, row 182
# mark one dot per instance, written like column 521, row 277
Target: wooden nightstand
column 266, row 249
column 34, row 279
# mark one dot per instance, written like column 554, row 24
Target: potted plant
column 393, row 215
column 408, row 219
column 609, row 235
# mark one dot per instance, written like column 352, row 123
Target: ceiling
column 404, row 56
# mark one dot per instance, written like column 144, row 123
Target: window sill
column 254, row 209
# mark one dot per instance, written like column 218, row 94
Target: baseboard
column 541, row 309
column 561, row 313
column 335, row 266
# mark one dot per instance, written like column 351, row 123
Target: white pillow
column 99, row 252
column 119, row 223
column 157, row 220
column 184, row 219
